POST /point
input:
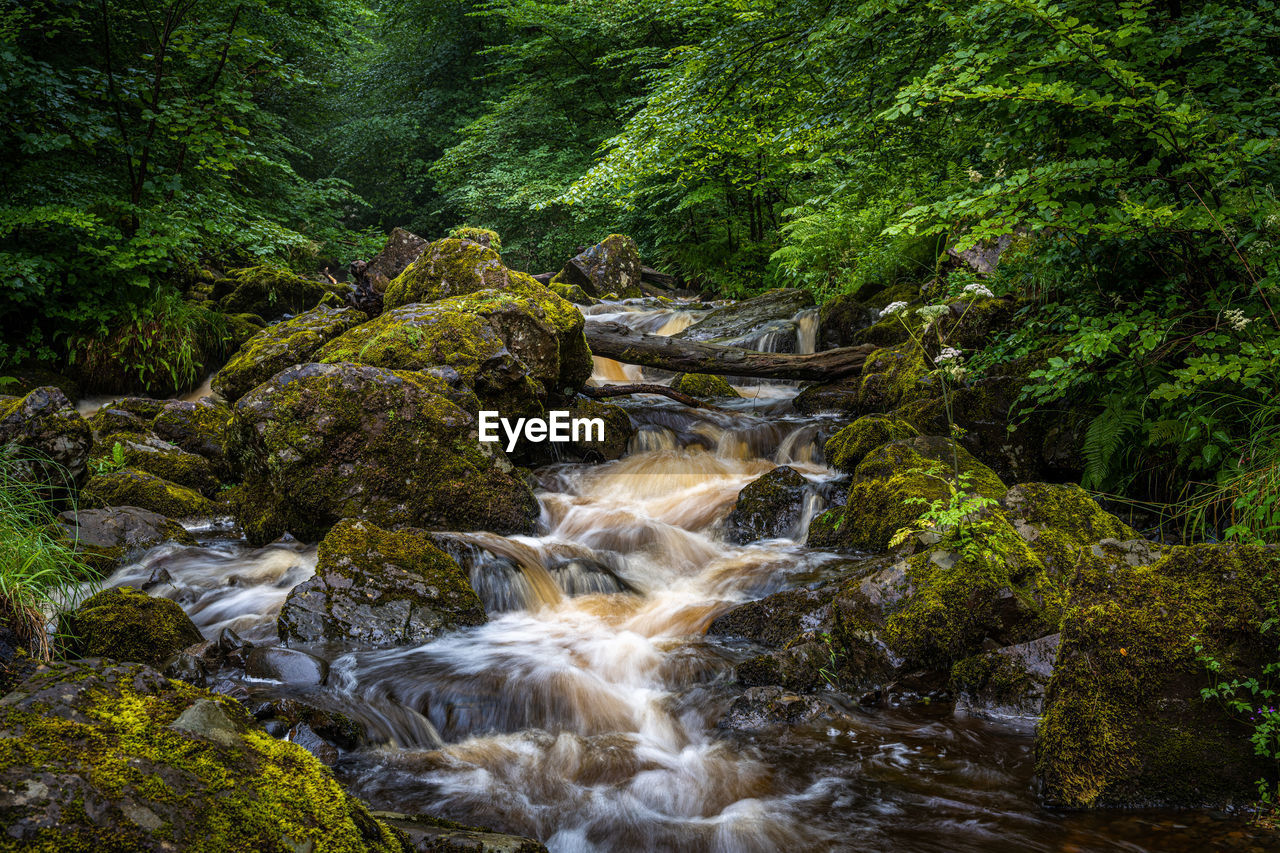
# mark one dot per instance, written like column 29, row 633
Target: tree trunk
column 622, row 343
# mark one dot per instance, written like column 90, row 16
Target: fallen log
column 666, row 281
column 605, row 391
column 622, row 343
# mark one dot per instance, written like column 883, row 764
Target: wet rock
column 1008, row 682
column 849, row 446
column 267, row 292
column 45, row 423
column 432, row 835
column 769, row 707
column 198, row 428
column 319, row 443
column 770, row 507
column 131, row 487
column 127, row 625
column 153, row 455
column 703, row 385
column 612, row 266
column 841, row 318
column 883, row 482
column 451, row 267
column 109, row 419
column 283, row 345
column 288, row 666
column 305, row 737
column 375, row 588
column 116, row 757
column 327, row 724
column 750, row 319
column 775, row 619
column 401, row 249
column 105, row 537
column 1124, row 720
column 420, row 336
column 618, row 430
column 840, row 396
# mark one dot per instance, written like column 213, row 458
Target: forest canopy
column 1125, row 152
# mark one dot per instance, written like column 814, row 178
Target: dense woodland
column 1039, row 242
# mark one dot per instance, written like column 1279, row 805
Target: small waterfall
column 806, row 331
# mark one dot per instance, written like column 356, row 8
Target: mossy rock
column 282, row 345
column 128, row 625
column 267, row 291
column 840, row 319
column 542, row 330
column 769, row 507
column 895, row 376
column 884, row 332
column 1057, row 520
column 850, row 445
column 971, row 323
column 45, row 423
column 322, row 442
column 131, row 487
column 118, row 758
column 104, row 538
column 1007, row 681
column 199, row 428
column 886, row 479
column 422, row 336
column 618, row 430
column 1124, row 722
column 375, row 588
column 840, row 396
column 153, row 455
column 242, row 327
column 703, row 385
column 484, row 236
column 109, row 419
column 612, row 266
column 571, row 292
column 450, row 267
column 144, row 407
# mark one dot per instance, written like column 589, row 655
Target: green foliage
column 40, row 572
column 960, row 518
column 110, row 464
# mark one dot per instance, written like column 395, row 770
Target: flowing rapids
column 585, row 711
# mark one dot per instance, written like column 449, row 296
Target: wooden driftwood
column 622, row 343
column 605, row 391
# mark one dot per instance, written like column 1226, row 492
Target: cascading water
column 585, row 712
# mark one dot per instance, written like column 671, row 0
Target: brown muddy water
column 585, row 712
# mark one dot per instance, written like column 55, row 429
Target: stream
column 585, row 712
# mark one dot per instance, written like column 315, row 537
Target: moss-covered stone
column 849, row 446
column 282, row 345
column 322, row 442
column 883, row 482
column 612, row 266
column 769, row 507
column 44, row 422
column 375, row 588
column 894, row 376
column 1124, row 721
column 119, row 758
column 703, row 385
column 839, row 396
column 884, row 332
column 267, row 291
column 840, row 318
column 484, row 236
column 421, row 336
column 128, row 625
column 450, row 267
column 131, row 487
column 109, row 419
column 571, row 292
column 153, row 455
column 618, row 430
column 199, row 428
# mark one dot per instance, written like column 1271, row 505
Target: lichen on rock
column 131, row 487
column 282, row 345
column 850, row 445
column 703, row 386
column 128, row 625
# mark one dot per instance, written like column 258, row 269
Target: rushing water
column 585, row 711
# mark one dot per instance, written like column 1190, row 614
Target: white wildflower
column 1236, row 319
column 955, row 371
column 949, row 354
column 974, row 175
column 930, row 313
column 892, row 308
column 977, row 290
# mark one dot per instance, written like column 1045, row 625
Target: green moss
column 572, row 292
column 703, row 385
column 108, row 420
column 199, row 428
column 1124, row 723
column 125, row 624
column 894, row 376
column 449, row 267
column 107, row 738
column 994, row 678
column 483, row 236
column 267, row 291
column 618, row 429
column 151, row 455
column 846, row 448
column 282, row 345
column 130, row 487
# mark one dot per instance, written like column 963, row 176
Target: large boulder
column 850, row 445
column 451, row 267
column 45, row 428
column 132, row 487
column 892, row 485
column 152, row 454
column 841, row 318
column 375, row 588
column 401, row 249
column 118, row 758
column 125, row 624
column 199, row 428
column 282, row 345
column 266, row 291
column 105, row 537
column 420, row 336
column 745, row 323
column 612, row 266
column 1125, row 722
column 770, row 507
column 322, row 442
